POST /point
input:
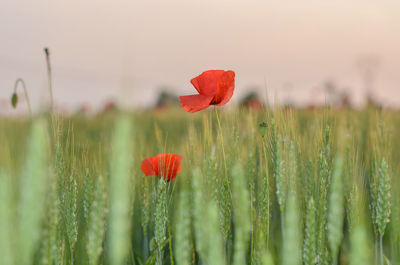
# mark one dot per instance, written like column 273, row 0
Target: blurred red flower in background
column 215, row 87
column 162, row 165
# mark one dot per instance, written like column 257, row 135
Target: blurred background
column 143, row 53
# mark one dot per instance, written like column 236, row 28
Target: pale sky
column 127, row 50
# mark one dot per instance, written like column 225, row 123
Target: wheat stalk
column 6, row 220
column 292, row 237
column 183, row 233
column 33, row 184
column 241, row 205
column 336, row 209
column 310, row 234
column 96, row 222
column 120, row 193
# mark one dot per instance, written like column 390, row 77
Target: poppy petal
column 226, row 85
column 206, row 83
column 194, row 103
column 172, row 166
column 169, row 164
column 147, row 167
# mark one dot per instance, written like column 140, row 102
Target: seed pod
column 262, row 127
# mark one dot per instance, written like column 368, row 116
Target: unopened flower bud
column 14, row 100
column 262, row 127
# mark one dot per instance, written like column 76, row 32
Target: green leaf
column 152, row 259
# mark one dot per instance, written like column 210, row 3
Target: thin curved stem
column 49, row 78
column 381, row 248
column 267, row 183
column 225, row 172
column 18, row 81
column 222, row 143
column 283, row 224
column 72, row 256
column 376, row 250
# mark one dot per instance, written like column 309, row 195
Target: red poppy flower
column 215, row 87
column 162, row 165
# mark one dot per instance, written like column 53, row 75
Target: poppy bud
column 46, row 51
column 14, row 100
column 262, row 127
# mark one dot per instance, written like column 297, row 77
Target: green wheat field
column 304, row 187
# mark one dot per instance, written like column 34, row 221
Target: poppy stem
column 222, row 143
column 49, row 78
column 20, row 80
column 267, row 191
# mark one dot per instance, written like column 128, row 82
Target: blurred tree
column 251, row 101
column 166, row 99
